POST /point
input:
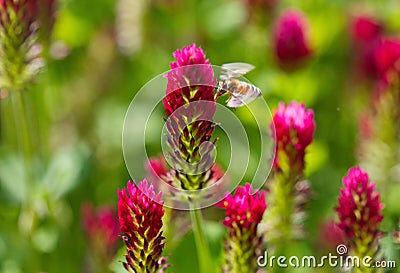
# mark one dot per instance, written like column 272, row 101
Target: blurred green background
column 104, row 51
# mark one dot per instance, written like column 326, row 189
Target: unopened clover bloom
column 140, row 212
column 291, row 43
column 190, row 107
column 244, row 211
column 289, row 192
column 360, row 212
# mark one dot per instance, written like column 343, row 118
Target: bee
column 240, row 92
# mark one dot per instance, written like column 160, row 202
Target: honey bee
column 240, row 92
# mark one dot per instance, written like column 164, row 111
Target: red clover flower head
column 189, row 55
column 294, row 127
column 190, row 106
column 140, row 213
column 244, row 209
column 187, row 83
column 365, row 29
column 359, row 209
column 100, row 225
column 290, row 38
column 387, row 57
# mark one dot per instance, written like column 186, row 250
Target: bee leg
column 218, row 94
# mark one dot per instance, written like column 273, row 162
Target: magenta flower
column 360, row 212
column 102, row 232
column 294, row 127
column 100, row 225
column 190, row 106
column 366, row 33
column 288, row 189
column 201, row 79
column 365, row 30
column 290, row 38
column 157, row 168
column 140, row 213
column 244, row 211
column 330, row 236
column 387, row 58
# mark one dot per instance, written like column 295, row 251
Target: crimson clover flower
column 366, row 34
column 140, row 213
column 290, row 41
column 244, row 211
column 101, row 229
column 330, row 236
column 365, row 29
column 383, row 118
column 190, row 107
column 387, row 57
column 294, row 127
column 100, row 225
column 20, row 24
column 360, row 212
column 289, row 192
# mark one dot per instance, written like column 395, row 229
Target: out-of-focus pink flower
column 360, row 211
column 157, row 167
column 294, row 127
column 330, row 235
column 244, row 209
column 366, row 34
column 365, row 30
column 387, row 58
column 291, row 44
column 140, row 213
column 100, row 225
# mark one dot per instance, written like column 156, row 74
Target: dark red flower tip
column 244, row 209
column 290, row 37
column 359, row 208
column 365, row 29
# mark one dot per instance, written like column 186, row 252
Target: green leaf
column 12, row 179
column 65, row 170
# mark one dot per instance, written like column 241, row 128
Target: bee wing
column 239, row 99
column 234, row 70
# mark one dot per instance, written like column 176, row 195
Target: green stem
column 22, row 132
column 203, row 252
